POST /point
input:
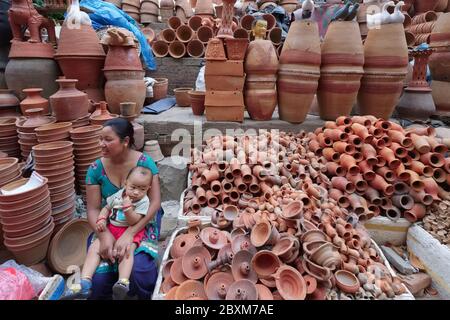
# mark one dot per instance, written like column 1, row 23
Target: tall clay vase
column 385, row 69
column 417, row 101
column 341, row 69
column 261, row 67
column 124, row 86
column 81, row 56
column 68, row 103
column 299, row 71
column 225, row 30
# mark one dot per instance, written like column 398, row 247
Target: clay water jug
column 341, row 69
column 385, row 69
column 261, row 67
column 299, row 71
column 33, row 100
column 69, row 103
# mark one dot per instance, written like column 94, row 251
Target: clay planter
column 236, row 48
column 195, row 48
column 125, row 86
column 346, row 281
column 182, row 96
column 261, row 66
column 290, row 283
column 217, row 286
column 160, row 48
column 385, row 68
column 341, row 69
column 197, row 99
column 34, row 100
column 242, row 290
column 299, row 71
column 160, row 88
column 69, row 103
column 265, row 263
column 194, row 262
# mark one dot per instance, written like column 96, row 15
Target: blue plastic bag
column 106, row 14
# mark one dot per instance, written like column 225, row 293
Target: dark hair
column 141, row 170
column 122, row 127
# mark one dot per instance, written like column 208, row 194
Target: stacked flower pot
column 225, row 79
column 54, row 160
column 132, row 8
column 58, row 131
column 149, row 11
column 27, row 222
column 9, row 170
column 86, row 142
column 9, row 140
column 422, row 25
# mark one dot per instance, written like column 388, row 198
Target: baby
column 123, row 209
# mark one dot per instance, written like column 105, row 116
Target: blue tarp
column 106, row 14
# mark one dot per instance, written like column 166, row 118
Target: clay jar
column 385, row 68
column 34, row 100
column 341, row 69
column 261, row 67
column 299, row 71
column 69, row 103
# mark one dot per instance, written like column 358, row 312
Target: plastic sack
column 106, row 14
column 74, row 16
column 200, row 82
column 18, row 282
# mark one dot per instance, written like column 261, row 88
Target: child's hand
column 101, row 225
column 126, row 202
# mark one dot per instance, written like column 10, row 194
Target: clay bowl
column 69, row 185
column 51, row 164
column 7, row 124
column 46, row 149
column 61, row 196
column 346, row 281
column 60, row 225
column 60, row 156
column 29, row 217
column 61, row 178
column 33, row 252
column 27, row 136
column 80, row 152
column 22, row 230
column 95, row 143
column 242, row 242
column 69, row 246
column 30, row 238
column 53, row 137
column 182, row 96
column 8, row 165
column 264, row 293
column 46, row 168
column 22, row 195
column 8, row 132
column 83, row 140
column 191, row 289
column 86, row 132
column 88, row 157
column 9, row 140
column 217, row 286
column 54, row 129
column 213, row 238
column 8, row 144
column 62, row 209
column 54, row 172
column 25, row 129
column 265, row 263
column 176, row 271
column 67, row 200
column 313, row 235
column 21, row 207
column 12, row 178
column 290, row 283
column 242, row 290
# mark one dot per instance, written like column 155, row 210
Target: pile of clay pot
column 421, row 27
column 377, row 166
column 273, row 235
column 437, row 221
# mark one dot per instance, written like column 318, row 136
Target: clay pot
column 264, row 233
column 34, row 120
column 326, row 256
column 69, row 103
column 261, row 66
column 8, row 102
column 242, row 290
column 242, row 242
column 241, row 266
column 204, row 33
column 34, row 100
column 424, row 6
column 341, row 69
column 103, row 117
column 265, row 263
column 236, row 48
column 440, row 41
column 182, row 96
column 299, row 71
column 160, row 48
column 290, row 283
column 293, row 210
column 197, row 99
column 121, row 58
column 346, row 281
column 177, row 49
column 124, row 86
column 195, row 48
column 383, row 78
column 213, row 238
column 160, row 88
column 204, row 8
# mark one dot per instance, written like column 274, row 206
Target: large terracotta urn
column 385, row 68
column 81, row 56
column 261, row 67
column 341, row 69
column 299, row 71
column 440, row 41
column 68, row 103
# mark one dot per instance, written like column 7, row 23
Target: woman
column 104, row 178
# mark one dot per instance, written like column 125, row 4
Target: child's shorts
column 117, row 232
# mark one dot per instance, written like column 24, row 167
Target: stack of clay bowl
column 87, row 149
column 131, row 7
column 149, row 11
column 9, row 170
column 54, row 160
column 26, row 127
column 27, row 221
column 81, row 122
column 59, row 131
column 9, row 141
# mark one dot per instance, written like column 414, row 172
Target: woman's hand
column 122, row 247
column 106, row 246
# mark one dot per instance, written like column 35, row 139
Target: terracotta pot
column 34, row 100
column 160, row 48
column 290, row 283
column 204, row 8
column 241, row 33
column 195, row 48
column 440, row 40
column 264, row 233
column 194, row 262
column 341, row 69
column 261, row 66
column 125, row 86
column 441, row 96
column 8, row 102
column 383, row 78
column 424, row 6
column 182, row 96
column 226, row 14
column 122, row 58
column 299, row 71
column 213, row 238
column 265, row 263
column 236, row 48
column 204, row 33
column 69, row 103
column 160, row 88
column 197, row 99
column 177, row 49
column 346, row 281
column 242, row 290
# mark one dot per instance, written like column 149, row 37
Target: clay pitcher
column 341, row 69
column 299, row 71
column 385, row 69
column 261, row 67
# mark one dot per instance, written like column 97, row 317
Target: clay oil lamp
column 316, row 271
column 311, row 284
column 346, row 281
column 241, row 266
column 286, row 247
column 293, row 210
column 176, row 271
column 242, row 290
column 191, row 290
column 265, row 263
column 264, row 233
column 313, row 235
column 242, row 242
column 327, row 256
column 290, row 283
column 230, row 212
column 181, row 245
column 264, row 293
column 213, row 238
column 218, row 285
column 194, row 262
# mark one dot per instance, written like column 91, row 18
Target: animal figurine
column 307, row 9
column 352, row 12
column 383, row 17
column 398, row 16
column 76, row 17
column 342, row 13
column 22, row 13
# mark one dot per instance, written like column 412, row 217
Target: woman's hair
column 122, row 127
